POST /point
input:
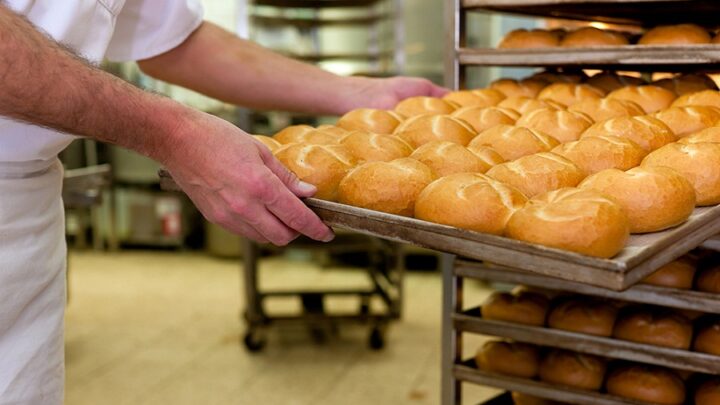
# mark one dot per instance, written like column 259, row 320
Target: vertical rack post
column 451, row 338
column 455, row 38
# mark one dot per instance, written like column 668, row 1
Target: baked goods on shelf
column 486, row 154
column 648, row 132
column 524, row 105
column 583, row 315
column 602, row 109
column 680, row 34
column 706, row 97
column 582, row 221
column 422, row 129
column 573, row 369
column 708, row 392
column 650, row 98
column 509, row 358
column 689, row 119
column 711, row 135
column 482, row 118
column 306, row 134
column 654, row 326
column 446, row 158
column 538, row 173
column 526, row 39
column 654, row 198
column 519, row 88
column 593, row 154
column 707, row 279
column 679, row 273
column 479, row 203
column 526, row 308
column 370, row 147
column 569, row 94
column 390, row 187
column 565, row 126
column 269, row 142
column 420, row 105
column 655, row 385
column 371, row 120
column 513, row 142
column 475, row 98
column 707, row 337
column 687, row 83
column 610, row 81
column 591, row 36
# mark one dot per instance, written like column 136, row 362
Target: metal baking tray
column 471, row 321
column 639, row 293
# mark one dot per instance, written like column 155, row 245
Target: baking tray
column 471, row 321
column 628, row 57
column 639, row 293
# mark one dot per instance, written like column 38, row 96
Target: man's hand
column 384, row 94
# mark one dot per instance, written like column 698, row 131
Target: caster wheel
column 253, row 342
column 376, row 340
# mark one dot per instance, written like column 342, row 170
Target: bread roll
column 698, row 162
column 422, row 129
column 654, row 326
column 550, row 76
column 524, row 105
column 681, row 34
column 648, row 132
column 514, row 142
column 602, row 109
column 518, row 88
column 583, row 315
column 525, row 39
column 446, row 158
column 332, row 129
column 270, row 143
column 485, row 118
column 524, row 399
column 676, row 274
column 650, row 98
column 421, row 105
column 479, row 203
column 707, row 339
column 708, row 279
column 709, row 98
column 610, row 81
column 565, row 126
column 306, row 134
column 320, row 165
column 687, row 83
column 654, row 198
column 370, row 147
column 539, row 173
column 487, row 155
column 708, row 393
column 475, row 98
column 593, row 154
column 525, row 307
column 711, row 135
column 509, row 358
column 367, row 119
column 687, row 120
column 390, row 187
column 582, row 221
column 645, row 383
column 573, row 369
column 591, row 37
column 569, row 94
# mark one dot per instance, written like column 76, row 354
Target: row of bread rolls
column 680, row 34
column 689, row 272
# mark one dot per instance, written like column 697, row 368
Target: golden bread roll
column 591, row 36
column 524, row 399
column 681, row 34
column 708, row 393
column 654, row 198
column 698, row 162
column 422, row 129
column 550, row 76
column 648, row 132
column 711, row 135
column 650, row 98
column 596, row 153
column 518, row 88
column 654, row 326
column 524, row 105
column 320, row 165
column 446, row 158
column 601, row 109
column 539, row 173
column 487, row 155
column 527, row 308
column 582, row 221
column 709, row 98
column 687, row 83
column 609, row 81
column 478, row 202
column 371, row 120
column 421, row 105
column 370, row 147
column 650, row 384
column 707, row 339
column 583, row 315
column 514, row 142
column 475, row 98
column 569, row 94
column 306, row 134
column 485, row 118
column 332, row 129
column 572, row 369
column 524, row 39
column 687, row 120
column 509, row 358
column 676, row 274
column 708, row 280
column 565, row 126
column 269, row 142
column 390, row 187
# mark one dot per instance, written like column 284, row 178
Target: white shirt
column 121, row 30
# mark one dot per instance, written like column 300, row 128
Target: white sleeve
column 147, row 28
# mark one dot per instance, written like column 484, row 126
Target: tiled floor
column 163, row 328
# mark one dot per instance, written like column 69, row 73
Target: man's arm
column 217, row 63
column 233, row 180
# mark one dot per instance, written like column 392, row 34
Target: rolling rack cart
column 577, row 274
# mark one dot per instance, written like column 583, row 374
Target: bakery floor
column 163, row 328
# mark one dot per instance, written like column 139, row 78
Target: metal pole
column 451, row 341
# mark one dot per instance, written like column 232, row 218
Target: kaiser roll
column 525, row 307
column 650, row 98
column 421, row 105
column 509, row 358
column 446, row 158
column 320, row 165
column 332, row 129
column 596, row 153
column 709, row 98
column 687, row 83
column 591, row 36
column 687, row 120
column 698, row 162
column 390, row 187
column 601, row 109
column 583, row 315
column 565, row 126
column 569, row 94
column 478, row 202
column 514, row 142
column 610, row 81
column 707, row 339
column 708, row 279
column 645, row 383
column 711, row 135
column 681, row 34
column 475, row 98
column 518, row 88
column 524, row 105
column 648, row 132
column 367, row 119
column 270, row 143
column 582, row 221
column 551, row 76
column 654, row 198
column 370, row 147
column 422, row 129
column 523, row 38
column 538, row 173
column 573, row 369
column 654, row 326
column 708, row 393
column 306, row 134
column 484, row 118
column 676, row 274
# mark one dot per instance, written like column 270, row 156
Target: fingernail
column 306, row 187
column 329, row 238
